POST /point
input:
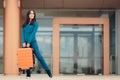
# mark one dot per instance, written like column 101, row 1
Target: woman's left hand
column 28, row 45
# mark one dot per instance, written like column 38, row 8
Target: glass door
column 1, row 44
column 1, row 51
column 80, row 49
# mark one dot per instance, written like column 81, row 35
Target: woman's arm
column 23, row 40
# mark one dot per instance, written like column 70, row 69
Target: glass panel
column 66, row 52
column 83, row 46
column 113, row 46
column 85, row 49
column 98, row 28
column 45, row 22
column 66, row 69
column 45, row 43
column 66, row 46
column 98, row 66
column 1, row 44
column 98, row 45
column 98, row 49
column 83, row 67
column 1, row 52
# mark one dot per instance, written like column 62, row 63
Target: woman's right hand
column 24, row 45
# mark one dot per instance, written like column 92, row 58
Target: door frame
column 56, row 39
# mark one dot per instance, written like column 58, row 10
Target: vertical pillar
column 11, row 36
column 106, row 53
column 56, row 51
column 117, row 42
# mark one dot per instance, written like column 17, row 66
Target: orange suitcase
column 25, row 58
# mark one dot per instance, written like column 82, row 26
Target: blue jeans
column 38, row 55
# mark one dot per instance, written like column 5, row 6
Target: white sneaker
column 27, row 78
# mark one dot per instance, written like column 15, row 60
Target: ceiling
column 69, row 4
column 1, row 4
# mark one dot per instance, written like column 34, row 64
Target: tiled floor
column 61, row 77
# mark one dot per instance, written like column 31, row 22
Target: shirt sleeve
column 23, row 40
column 32, row 35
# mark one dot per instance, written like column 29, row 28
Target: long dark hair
column 27, row 19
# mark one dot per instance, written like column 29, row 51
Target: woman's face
column 31, row 15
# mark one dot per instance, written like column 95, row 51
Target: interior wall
column 69, row 13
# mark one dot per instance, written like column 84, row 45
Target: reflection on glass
column 98, row 66
column 1, row 52
column 1, row 44
column 66, row 66
column 83, row 47
column 97, row 44
column 83, row 66
column 66, row 47
column 66, row 50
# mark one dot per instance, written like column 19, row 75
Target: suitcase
column 25, row 58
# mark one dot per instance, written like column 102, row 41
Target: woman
column 29, row 30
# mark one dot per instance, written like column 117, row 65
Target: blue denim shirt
column 29, row 32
